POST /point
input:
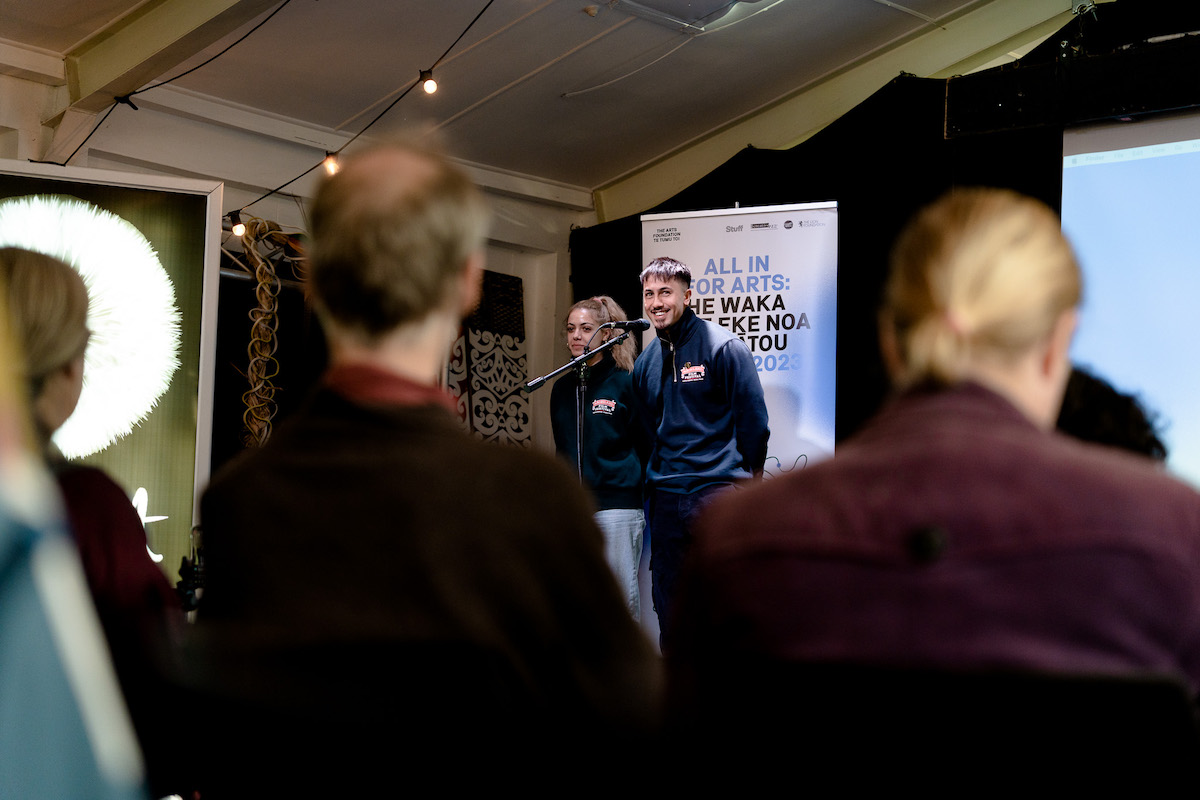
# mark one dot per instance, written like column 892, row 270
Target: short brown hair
column 391, row 231
column 981, row 273
column 667, row 269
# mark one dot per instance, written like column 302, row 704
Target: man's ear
column 470, row 283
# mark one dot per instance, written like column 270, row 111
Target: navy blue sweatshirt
column 612, row 466
column 701, row 398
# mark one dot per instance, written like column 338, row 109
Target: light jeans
column 623, row 529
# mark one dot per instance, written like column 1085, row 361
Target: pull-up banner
column 769, row 275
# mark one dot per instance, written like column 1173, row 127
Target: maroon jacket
column 951, row 532
column 138, row 609
column 112, row 545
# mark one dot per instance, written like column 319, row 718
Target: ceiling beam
column 953, row 44
column 187, row 104
column 135, row 50
column 31, row 64
column 147, row 43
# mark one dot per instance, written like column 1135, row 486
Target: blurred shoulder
column 80, row 483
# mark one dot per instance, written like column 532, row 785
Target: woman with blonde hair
column 47, row 307
column 47, row 310
column 612, row 465
column 980, row 281
column 956, row 530
column 59, row 689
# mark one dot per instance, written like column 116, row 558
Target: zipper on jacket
column 674, row 372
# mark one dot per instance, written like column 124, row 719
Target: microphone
column 630, row 325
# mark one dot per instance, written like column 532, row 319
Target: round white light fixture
column 134, row 348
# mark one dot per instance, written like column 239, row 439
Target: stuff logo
column 690, row 374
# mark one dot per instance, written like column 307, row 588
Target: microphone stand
column 538, row 383
column 580, row 365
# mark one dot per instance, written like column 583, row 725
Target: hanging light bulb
column 427, row 81
column 238, row 227
column 331, row 163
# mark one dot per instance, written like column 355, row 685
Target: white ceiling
column 583, row 94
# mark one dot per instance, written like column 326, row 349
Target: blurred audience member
column 47, row 308
column 64, row 730
column 953, row 531
column 388, row 599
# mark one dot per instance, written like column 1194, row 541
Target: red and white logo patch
column 690, row 374
column 602, row 406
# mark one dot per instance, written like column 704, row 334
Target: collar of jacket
column 682, row 330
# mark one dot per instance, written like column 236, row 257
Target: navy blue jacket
column 701, row 398
column 612, row 465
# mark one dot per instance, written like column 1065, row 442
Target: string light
column 424, row 74
column 331, row 163
column 237, row 227
column 427, row 81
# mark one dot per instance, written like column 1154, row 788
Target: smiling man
column 703, row 404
